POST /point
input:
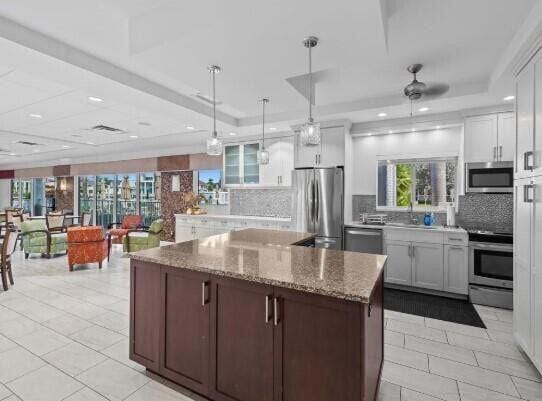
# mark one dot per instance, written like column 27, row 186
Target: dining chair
column 55, row 222
column 8, row 248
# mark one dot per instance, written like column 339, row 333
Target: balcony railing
column 149, row 209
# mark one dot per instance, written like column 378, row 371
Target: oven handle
column 496, row 247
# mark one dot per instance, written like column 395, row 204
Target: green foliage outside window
column 404, row 184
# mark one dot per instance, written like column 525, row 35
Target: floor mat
column 442, row 308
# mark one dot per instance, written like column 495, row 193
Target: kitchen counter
column 272, row 257
column 233, row 217
column 391, row 226
column 255, row 315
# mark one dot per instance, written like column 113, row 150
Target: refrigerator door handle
column 310, row 201
column 317, row 202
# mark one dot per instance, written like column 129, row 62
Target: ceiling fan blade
column 436, row 90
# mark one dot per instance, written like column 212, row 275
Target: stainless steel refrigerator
column 319, row 196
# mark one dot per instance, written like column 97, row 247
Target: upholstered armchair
column 144, row 238
column 38, row 239
column 117, row 231
column 86, row 245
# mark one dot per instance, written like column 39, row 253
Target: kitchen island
column 256, row 315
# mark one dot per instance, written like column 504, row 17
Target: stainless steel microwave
column 494, row 177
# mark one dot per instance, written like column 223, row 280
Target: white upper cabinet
column 281, row 162
column 489, row 138
column 241, row 165
column 506, row 136
column 525, row 120
column 481, row 138
column 537, row 146
column 330, row 152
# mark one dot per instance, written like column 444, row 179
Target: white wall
column 367, row 150
column 4, row 193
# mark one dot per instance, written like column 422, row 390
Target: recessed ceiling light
column 35, row 150
column 438, row 126
column 36, row 115
column 369, row 134
column 89, row 143
column 390, row 131
column 190, row 127
column 233, row 133
column 272, row 128
column 413, row 129
column 95, row 99
column 12, row 154
column 382, row 114
column 508, row 98
column 133, row 136
column 66, row 146
column 423, row 109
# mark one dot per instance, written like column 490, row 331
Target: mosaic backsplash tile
column 482, row 211
column 275, row 202
column 487, row 211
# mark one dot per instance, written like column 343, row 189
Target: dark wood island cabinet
column 212, row 316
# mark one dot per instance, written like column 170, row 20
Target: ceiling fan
column 416, row 89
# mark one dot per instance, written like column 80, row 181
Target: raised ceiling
column 147, row 59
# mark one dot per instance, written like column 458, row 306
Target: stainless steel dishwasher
column 366, row 240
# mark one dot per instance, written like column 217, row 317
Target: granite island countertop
column 276, row 258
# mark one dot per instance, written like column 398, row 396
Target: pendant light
column 310, row 131
column 214, row 145
column 263, row 154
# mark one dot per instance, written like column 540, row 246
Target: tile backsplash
column 485, row 211
column 267, row 202
column 488, row 211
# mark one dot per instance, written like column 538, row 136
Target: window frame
column 414, row 159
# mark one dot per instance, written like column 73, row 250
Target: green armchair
column 38, row 239
column 144, row 238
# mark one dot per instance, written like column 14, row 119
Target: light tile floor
column 64, row 336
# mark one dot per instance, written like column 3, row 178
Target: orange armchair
column 86, row 245
column 129, row 222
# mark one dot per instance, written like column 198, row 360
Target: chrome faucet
column 413, row 220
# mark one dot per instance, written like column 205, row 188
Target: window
column 426, row 183
column 149, row 196
column 210, row 187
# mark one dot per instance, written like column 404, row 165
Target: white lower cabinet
column 188, row 228
column 456, row 273
column 429, row 260
column 399, row 265
column 427, row 266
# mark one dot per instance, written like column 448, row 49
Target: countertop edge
column 260, row 280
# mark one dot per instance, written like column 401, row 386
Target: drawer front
column 459, row 239
column 415, row 234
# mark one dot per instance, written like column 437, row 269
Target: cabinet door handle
column 315, row 159
column 413, row 252
column 276, row 311
column 409, row 250
column 494, row 152
column 454, row 239
column 500, row 152
column 267, row 308
column 528, row 193
column 460, row 248
column 528, row 162
column 204, row 298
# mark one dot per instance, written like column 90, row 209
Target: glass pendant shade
column 310, row 133
column 214, row 146
column 263, row 156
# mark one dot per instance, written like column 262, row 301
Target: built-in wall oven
column 496, row 177
column 491, row 268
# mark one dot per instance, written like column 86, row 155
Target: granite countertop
column 235, row 217
column 391, row 226
column 272, row 257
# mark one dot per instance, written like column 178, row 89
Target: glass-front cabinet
column 241, row 164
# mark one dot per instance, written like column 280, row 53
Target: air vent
column 107, row 128
column 27, row 143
